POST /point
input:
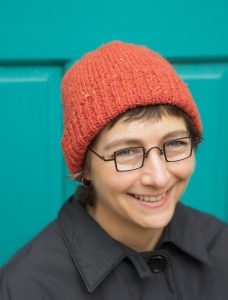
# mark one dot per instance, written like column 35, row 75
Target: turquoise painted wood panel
column 57, row 29
column 207, row 190
column 39, row 40
column 31, row 160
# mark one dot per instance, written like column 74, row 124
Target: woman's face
column 127, row 199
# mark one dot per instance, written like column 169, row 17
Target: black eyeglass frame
column 145, row 153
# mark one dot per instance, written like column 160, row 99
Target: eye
column 177, row 143
column 128, row 152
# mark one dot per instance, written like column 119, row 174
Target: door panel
column 207, row 190
column 39, row 40
column 31, row 159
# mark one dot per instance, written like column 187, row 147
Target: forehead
column 142, row 129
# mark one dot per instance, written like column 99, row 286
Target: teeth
column 150, row 198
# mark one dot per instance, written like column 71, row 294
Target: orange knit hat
column 109, row 81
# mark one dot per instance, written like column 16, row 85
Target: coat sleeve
column 4, row 289
column 15, row 287
column 219, row 255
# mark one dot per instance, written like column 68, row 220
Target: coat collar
column 184, row 232
column 96, row 254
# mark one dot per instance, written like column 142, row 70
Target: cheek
column 184, row 169
column 107, row 181
column 183, row 172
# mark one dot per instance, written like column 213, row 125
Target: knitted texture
column 107, row 82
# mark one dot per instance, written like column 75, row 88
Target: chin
column 159, row 221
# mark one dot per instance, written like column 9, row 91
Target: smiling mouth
column 146, row 198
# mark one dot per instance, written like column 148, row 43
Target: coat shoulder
column 214, row 233
column 37, row 261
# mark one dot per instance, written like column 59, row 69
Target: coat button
column 157, row 263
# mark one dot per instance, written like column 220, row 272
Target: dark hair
column 155, row 113
column 151, row 112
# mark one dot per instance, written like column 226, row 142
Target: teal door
column 39, row 40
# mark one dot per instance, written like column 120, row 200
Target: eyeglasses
column 132, row 158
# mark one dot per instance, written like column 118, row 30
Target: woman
column 131, row 130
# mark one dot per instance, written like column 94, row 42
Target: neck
column 135, row 237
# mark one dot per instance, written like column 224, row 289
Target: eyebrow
column 133, row 141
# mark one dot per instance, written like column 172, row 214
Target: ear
column 87, row 174
column 87, row 170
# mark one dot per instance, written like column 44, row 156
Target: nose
column 154, row 171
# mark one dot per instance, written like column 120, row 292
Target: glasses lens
column 129, row 159
column 178, row 149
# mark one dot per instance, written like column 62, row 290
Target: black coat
column 74, row 259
